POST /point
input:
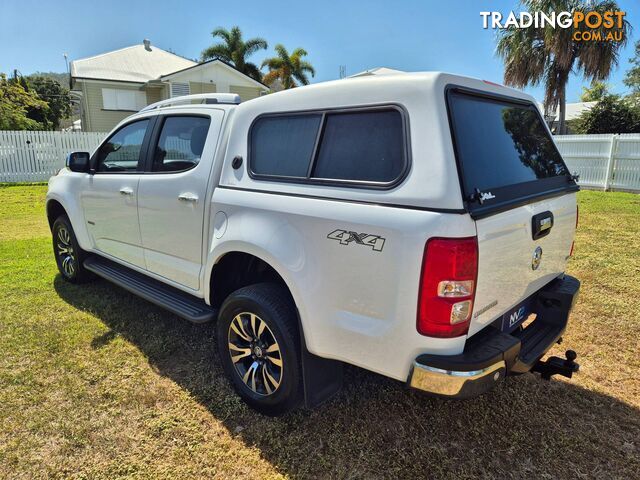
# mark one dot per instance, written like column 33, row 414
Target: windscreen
column 502, row 144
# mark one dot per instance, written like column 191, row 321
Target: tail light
column 447, row 286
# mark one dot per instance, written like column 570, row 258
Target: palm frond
column 299, row 52
column 222, row 33
column 281, row 51
column 301, row 77
column 252, row 45
column 307, row 67
column 216, row 51
column 272, row 63
column 252, row 70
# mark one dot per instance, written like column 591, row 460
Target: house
column 572, row 112
column 114, row 84
column 376, row 71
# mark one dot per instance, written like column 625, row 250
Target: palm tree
column 288, row 68
column 534, row 55
column 235, row 50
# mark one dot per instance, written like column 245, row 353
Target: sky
column 409, row 35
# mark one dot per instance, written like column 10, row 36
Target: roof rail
column 207, row 98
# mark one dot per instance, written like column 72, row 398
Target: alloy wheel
column 255, row 353
column 66, row 252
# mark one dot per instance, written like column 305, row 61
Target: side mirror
column 78, row 162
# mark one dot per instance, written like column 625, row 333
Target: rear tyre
column 69, row 256
column 258, row 344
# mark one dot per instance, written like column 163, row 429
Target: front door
column 172, row 194
column 110, row 196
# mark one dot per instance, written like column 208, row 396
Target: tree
column 288, row 68
column 56, row 96
column 61, row 78
column 547, row 55
column 597, row 91
column 612, row 114
column 235, row 50
column 15, row 103
column 632, row 77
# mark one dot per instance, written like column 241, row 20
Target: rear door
column 172, row 194
column 521, row 195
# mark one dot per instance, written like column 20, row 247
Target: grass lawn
column 95, row 383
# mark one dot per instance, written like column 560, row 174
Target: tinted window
column 363, row 146
column 121, row 153
column 180, row 144
column 500, row 144
column 283, row 145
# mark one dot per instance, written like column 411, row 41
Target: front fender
column 63, row 189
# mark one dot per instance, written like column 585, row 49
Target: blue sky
column 411, row 35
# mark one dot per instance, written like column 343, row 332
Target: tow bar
column 557, row 366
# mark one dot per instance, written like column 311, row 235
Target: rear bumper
column 490, row 355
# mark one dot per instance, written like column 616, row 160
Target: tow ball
column 557, row 366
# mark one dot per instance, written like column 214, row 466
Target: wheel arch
column 327, row 377
column 54, row 210
column 239, row 266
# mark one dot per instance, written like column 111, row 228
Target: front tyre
column 258, row 345
column 69, row 256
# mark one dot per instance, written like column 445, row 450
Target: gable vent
column 179, row 89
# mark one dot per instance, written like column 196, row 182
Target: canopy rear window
column 504, row 151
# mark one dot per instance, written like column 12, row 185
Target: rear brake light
column 447, row 286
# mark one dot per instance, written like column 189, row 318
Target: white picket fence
column 607, row 162
column 34, row 156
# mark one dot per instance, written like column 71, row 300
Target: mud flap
column 322, row 378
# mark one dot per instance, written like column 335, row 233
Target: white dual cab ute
column 415, row 225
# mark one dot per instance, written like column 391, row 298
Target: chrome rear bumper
column 458, row 384
column 490, row 355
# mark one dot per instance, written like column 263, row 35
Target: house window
column 117, row 99
column 179, row 89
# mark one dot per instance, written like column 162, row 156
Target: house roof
column 139, row 63
column 214, row 61
column 573, row 110
column 376, row 71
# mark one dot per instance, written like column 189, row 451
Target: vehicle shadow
column 377, row 428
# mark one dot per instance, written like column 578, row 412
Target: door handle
column 188, row 197
column 541, row 225
column 126, row 191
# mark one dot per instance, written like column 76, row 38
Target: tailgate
column 511, row 264
column 520, row 193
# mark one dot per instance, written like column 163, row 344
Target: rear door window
column 181, row 142
column 503, row 149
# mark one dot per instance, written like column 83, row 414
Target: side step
column 176, row 301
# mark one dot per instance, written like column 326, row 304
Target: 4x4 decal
column 376, row 242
